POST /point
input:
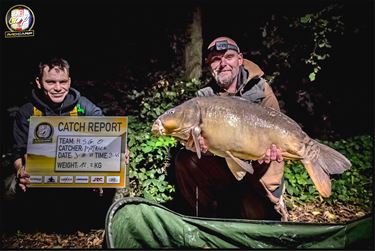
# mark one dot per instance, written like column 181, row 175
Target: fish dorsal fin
column 195, row 132
column 247, row 167
column 237, row 171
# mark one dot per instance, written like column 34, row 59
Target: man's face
column 55, row 83
column 225, row 66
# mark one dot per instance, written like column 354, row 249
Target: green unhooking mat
column 139, row 223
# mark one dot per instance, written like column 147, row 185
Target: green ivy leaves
column 354, row 186
column 323, row 24
column 150, row 156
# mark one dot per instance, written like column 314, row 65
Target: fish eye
column 170, row 112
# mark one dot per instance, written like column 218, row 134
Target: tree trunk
column 193, row 49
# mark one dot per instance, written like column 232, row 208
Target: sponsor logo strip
column 36, row 179
column 97, row 179
column 50, row 179
column 82, row 179
column 113, row 179
column 66, row 179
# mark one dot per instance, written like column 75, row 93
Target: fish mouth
column 158, row 128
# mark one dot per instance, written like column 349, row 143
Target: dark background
column 101, row 39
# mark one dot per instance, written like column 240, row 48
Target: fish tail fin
column 332, row 161
column 320, row 178
column 320, row 162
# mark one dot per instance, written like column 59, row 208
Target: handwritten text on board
column 79, row 153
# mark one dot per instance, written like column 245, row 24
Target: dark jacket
column 38, row 100
column 250, row 85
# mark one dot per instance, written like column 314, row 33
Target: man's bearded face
column 225, row 67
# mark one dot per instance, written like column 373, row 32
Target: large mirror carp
column 237, row 130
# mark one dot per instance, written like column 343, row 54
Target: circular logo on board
column 44, row 131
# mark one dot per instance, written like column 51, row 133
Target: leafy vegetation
column 296, row 52
column 150, row 156
column 290, row 64
column 353, row 187
column 317, row 30
column 293, row 64
column 323, row 24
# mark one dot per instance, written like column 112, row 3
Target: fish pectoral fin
column 237, row 171
column 247, row 167
column 195, row 133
